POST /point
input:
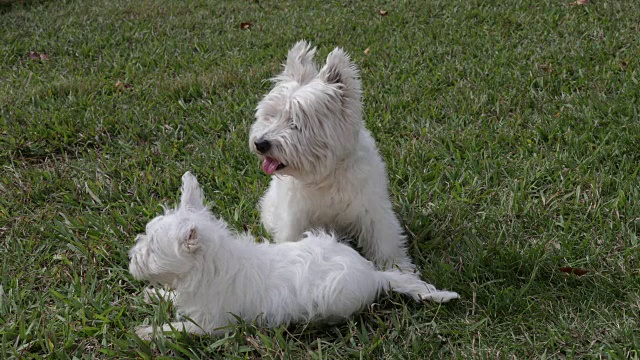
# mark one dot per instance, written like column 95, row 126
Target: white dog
column 217, row 274
column 327, row 171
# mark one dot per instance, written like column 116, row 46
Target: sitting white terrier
column 327, row 171
column 217, row 274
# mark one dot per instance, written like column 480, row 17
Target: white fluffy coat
column 326, row 170
column 217, row 274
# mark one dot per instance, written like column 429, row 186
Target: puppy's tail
column 410, row 284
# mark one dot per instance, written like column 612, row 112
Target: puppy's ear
column 300, row 66
column 192, row 198
column 190, row 241
column 340, row 70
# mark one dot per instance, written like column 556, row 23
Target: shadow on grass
column 7, row 6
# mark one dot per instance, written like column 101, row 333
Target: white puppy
column 217, row 274
column 327, row 172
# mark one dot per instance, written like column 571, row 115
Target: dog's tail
column 410, row 284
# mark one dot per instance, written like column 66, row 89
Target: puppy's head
column 311, row 118
column 171, row 246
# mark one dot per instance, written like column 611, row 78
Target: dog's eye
column 294, row 127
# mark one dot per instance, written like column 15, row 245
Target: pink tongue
column 270, row 165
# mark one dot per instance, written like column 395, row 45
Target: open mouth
column 271, row 165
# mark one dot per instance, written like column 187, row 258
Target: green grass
column 510, row 129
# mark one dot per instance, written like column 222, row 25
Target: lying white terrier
column 217, row 274
column 327, row 171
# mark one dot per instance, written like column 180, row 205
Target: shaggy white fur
column 217, row 274
column 326, row 169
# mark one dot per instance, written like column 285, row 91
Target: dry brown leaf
column 122, row 85
column 570, row 270
column 34, row 55
column 579, row 2
column 545, row 67
column 383, row 12
column 246, row 25
column 367, row 51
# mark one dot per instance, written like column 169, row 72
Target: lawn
column 510, row 129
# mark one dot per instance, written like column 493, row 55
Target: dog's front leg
column 284, row 220
column 289, row 230
column 289, row 225
column 155, row 295
column 383, row 241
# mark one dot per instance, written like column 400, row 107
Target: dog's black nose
column 262, row 146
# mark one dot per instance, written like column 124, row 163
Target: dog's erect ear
column 340, row 70
column 192, row 197
column 300, row 66
column 190, row 241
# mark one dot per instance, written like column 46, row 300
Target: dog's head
column 311, row 118
column 171, row 246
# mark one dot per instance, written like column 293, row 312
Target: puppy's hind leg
column 410, row 284
column 148, row 332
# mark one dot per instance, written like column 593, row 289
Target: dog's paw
column 144, row 332
column 440, row 296
column 154, row 295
